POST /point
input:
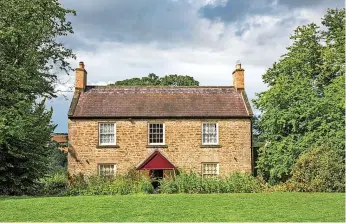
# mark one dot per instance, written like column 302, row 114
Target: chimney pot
column 238, row 65
column 81, row 64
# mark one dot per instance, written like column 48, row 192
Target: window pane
column 156, row 133
column 107, row 133
column 107, row 169
column 101, row 128
column 107, row 128
column 210, row 169
column 209, row 133
column 111, row 138
column 102, row 139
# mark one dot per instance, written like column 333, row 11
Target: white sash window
column 210, row 134
column 107, row 134
column 107, row 169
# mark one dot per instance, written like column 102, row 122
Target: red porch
column 157, row 165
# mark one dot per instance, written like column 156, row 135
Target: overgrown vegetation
column 96, row 185
column 192, row 183
column 304, row 107
column 60, row 184
column 310, row 175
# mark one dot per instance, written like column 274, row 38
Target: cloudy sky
column 120, row 39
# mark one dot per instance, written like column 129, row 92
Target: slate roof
column 159, row 102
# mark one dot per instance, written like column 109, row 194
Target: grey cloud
column 311, row 3
column 234, row 11
column 168, row 23
column 132, row 21
column 237, row 12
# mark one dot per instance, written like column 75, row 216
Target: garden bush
column 242, row 183
column 55, row 184
column 320, row 170
column 193, row 183
column 281, row 187
column 96, row 185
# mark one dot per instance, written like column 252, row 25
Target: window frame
column 164, row 133
column 217, row 133
column 213, row 175
column 99, row 134
column 103, row 164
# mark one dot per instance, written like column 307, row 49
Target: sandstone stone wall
column 183, row 139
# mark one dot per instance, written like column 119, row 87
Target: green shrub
column 281, row 187
column 211, row 185
column 189, row 183
column 319, row 170
column 123, row 186
column 193, row 183
column 242, row 183
column 77, row 181
column 133, row 183
column 146, row 186
column 55, row 184
column 96, row 185
column 169, row 186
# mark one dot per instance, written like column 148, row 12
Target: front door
column 156, row 175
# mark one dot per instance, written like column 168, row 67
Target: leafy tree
column 30, row 54
column 154, row 80
column 304, row 106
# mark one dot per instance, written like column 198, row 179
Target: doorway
column 155, row 176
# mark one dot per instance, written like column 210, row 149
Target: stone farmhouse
column 157, row 130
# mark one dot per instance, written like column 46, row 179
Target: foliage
column 256, row 132
column 96, row 185
column 55, row 184
column 57, row 160
column 25, row 148
column 281, row 187
column 154, row 80
column 193, row 183
column 259, row 207
column 304, row 105
column 320, row 170
column 29, row 56
column 134, row 183
column 257, row 142
column 242, row 183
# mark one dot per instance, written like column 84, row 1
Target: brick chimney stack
column 81, row 77
column 238, row 77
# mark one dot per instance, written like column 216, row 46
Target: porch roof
column 156, row 161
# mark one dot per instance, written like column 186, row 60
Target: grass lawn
column 179, row 207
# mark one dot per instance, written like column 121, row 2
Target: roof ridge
column 139, row 86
